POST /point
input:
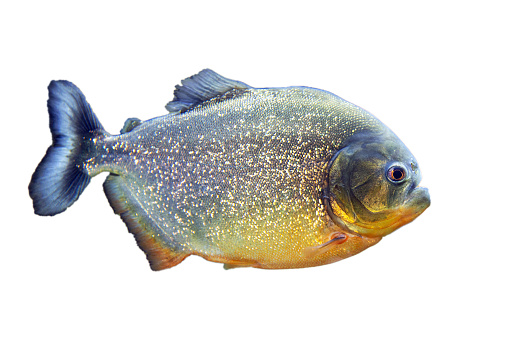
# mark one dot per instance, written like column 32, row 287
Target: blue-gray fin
column 60, row 178
column 140, row 224
column 200, row 88
column 130, row 124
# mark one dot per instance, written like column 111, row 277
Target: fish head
column 373, row 185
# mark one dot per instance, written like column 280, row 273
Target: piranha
column 269, row 178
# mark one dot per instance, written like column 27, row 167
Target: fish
column 270, row 178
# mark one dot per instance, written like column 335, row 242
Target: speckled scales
column 238, row 179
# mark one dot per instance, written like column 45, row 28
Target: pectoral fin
column 336, row 239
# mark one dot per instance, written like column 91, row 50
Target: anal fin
column 141, row 225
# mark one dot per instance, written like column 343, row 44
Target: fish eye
column 396, row 174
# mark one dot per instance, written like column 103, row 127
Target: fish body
column 235, row 174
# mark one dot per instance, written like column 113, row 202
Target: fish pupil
column 396, row 174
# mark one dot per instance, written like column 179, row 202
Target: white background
column 436, row 72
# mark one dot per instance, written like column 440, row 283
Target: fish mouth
column 417, row 201
column 415, row 204
column 419, row 198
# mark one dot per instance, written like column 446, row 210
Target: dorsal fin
column 199, row 88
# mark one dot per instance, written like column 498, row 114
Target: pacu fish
column 249, row 177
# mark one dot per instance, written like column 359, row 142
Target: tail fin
column 59, row 179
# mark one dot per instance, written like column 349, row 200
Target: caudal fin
column 59, row 179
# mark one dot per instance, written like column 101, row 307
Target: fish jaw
column 417, row 202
